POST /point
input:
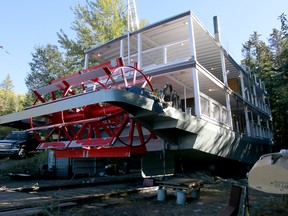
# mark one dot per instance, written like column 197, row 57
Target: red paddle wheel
column 95, row 130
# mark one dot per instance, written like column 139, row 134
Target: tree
column 284, row 24
column 257, row 55
column 47, row 65
column 10, row 102
column 270, row 63
column 7, row 84
column 277, row 45
column 95, row 23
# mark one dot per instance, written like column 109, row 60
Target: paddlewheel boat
column 165, row 90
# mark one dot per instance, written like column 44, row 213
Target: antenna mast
column 133, row 22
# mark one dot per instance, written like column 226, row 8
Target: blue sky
column 26, row 24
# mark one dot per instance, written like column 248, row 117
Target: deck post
column 242, row 85
column 139, row 46
column 197, row 102
column 121, row 54
column 192, row 39
column 247, row 121
column 185, row 98
column 252, row 128
column 227, row 96
column 128, row 48
column 255, row 101
column 259, row 126
column 86, row 65
column 224, row 71
column 164, row 55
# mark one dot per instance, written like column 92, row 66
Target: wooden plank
column 182, row 182
column 35, row 210
column 99, row 205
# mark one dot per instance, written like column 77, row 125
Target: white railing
column 257, row 102
column 168, row 53
column 214, row 110
column 259, row 131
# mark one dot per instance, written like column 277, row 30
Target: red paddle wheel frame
column 97, row 130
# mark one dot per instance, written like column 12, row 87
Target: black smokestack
column 216, row 29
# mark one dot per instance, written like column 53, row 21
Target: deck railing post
column 86, row 65
column 242, row 85
column 197, row 102
column 121, row 54
column 139, row 45
column 247, row 122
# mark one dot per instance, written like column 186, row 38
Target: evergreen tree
column 277, row 45
column 47, row 65
column 10, row 102
column 284, row 24
column 95, row 23
column 257, row 56
column 270, row 63
column 7, row 84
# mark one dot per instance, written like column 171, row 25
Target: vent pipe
column 216, row 29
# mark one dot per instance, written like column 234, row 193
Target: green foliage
column 29, row 165
column 28, row 100
column 270, row 63
column 7, row 84
column 10, row 102
column 95, row 23
column 257, row 55
column 4, row 131
column 46, row 66
column 284, row 23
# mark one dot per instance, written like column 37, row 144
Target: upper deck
column 179, row 50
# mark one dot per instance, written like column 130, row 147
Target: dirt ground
column 214, row 196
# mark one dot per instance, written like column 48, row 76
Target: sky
column 30, row 23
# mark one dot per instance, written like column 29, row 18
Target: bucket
column 195, row 194
column 181, row 197
column 161, row 194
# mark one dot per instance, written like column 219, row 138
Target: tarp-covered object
column 270, row 173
